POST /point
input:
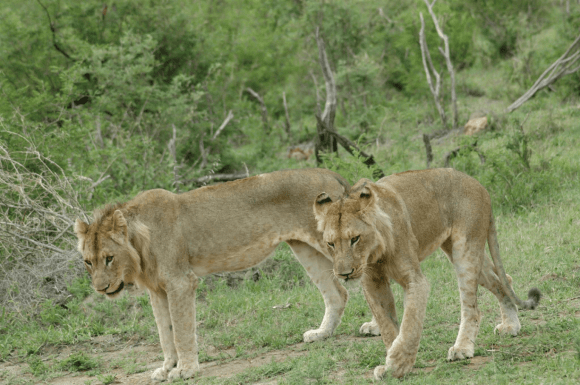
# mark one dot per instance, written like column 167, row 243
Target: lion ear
column 81, row 229
column 119, row 225
column 321, row 204
column 366, row 195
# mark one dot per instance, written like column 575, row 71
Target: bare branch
column 223, row 125
column 173, row 151
column 428, row 66
column 428, row 149
column 53, row 30
column 445, row 53
column 287, row 121
column 263, row 106
column 37, row 213
column 562, row 66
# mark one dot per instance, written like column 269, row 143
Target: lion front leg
column 181, row 299
column 163, row 319
column 402, row 353
column 377, row 291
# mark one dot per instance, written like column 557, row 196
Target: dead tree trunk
column 327, row 138
column 428, row 66
column 562, row 66
column 325, row 141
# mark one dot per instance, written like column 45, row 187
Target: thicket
column 118, row 97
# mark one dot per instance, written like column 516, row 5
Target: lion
column 164, row 242
column 384, row 230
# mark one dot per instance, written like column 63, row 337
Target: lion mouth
column 121, row 286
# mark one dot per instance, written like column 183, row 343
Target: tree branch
column 286, row 114
column 263, row 107
column 53, row 30
column 554, row 72
column 428, row 149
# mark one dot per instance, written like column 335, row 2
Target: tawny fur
column 163, row 242
column 384, row 230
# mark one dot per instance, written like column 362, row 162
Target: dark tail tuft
column 534, row 296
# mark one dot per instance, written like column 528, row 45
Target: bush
column 513, row 179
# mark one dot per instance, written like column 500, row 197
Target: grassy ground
column 251, row 331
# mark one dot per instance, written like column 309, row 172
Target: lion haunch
column 163, row 242
column 384, row 230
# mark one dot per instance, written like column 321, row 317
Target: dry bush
column 38, row 206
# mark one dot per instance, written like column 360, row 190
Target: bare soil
column 113, row 352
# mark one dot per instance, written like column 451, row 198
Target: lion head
column 356, row 230
column 112, row 250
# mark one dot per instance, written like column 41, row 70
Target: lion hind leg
column 467, row 263
column 319, row 269
column 510, row 324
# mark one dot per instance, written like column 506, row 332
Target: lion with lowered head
column 163, row 242
column 382, row 231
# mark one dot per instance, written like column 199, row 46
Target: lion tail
column 534, row 294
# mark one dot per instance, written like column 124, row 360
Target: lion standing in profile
column 384, row 230
column 163, row 242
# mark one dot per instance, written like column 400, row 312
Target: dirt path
column 147, row 357
column 151, row 355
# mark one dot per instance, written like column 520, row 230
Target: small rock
column 475, row 125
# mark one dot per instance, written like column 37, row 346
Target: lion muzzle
column 345, row 274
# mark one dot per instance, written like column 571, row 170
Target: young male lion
column 382, row 231
column 163, row 242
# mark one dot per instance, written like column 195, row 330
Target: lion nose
column 345, row 275
column 105, row 289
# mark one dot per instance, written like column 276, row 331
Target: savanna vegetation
column 102, row 100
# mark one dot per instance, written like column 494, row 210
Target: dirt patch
column 477, row 362
column 223, row 367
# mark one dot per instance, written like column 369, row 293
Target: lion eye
column 88, row 263
column 330, row 244
column 109, row 259
column 354, row 240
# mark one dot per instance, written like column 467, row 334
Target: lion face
column 109, row 257
column 352, row 229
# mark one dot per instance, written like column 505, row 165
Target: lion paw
column 395, row 370
column 459, row 353
column 371, row 328
column 159, row 374
column 316, row 335
column 507, row 329
column 183, row 371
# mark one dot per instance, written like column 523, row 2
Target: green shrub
column 514, row 180
column 351, row 167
